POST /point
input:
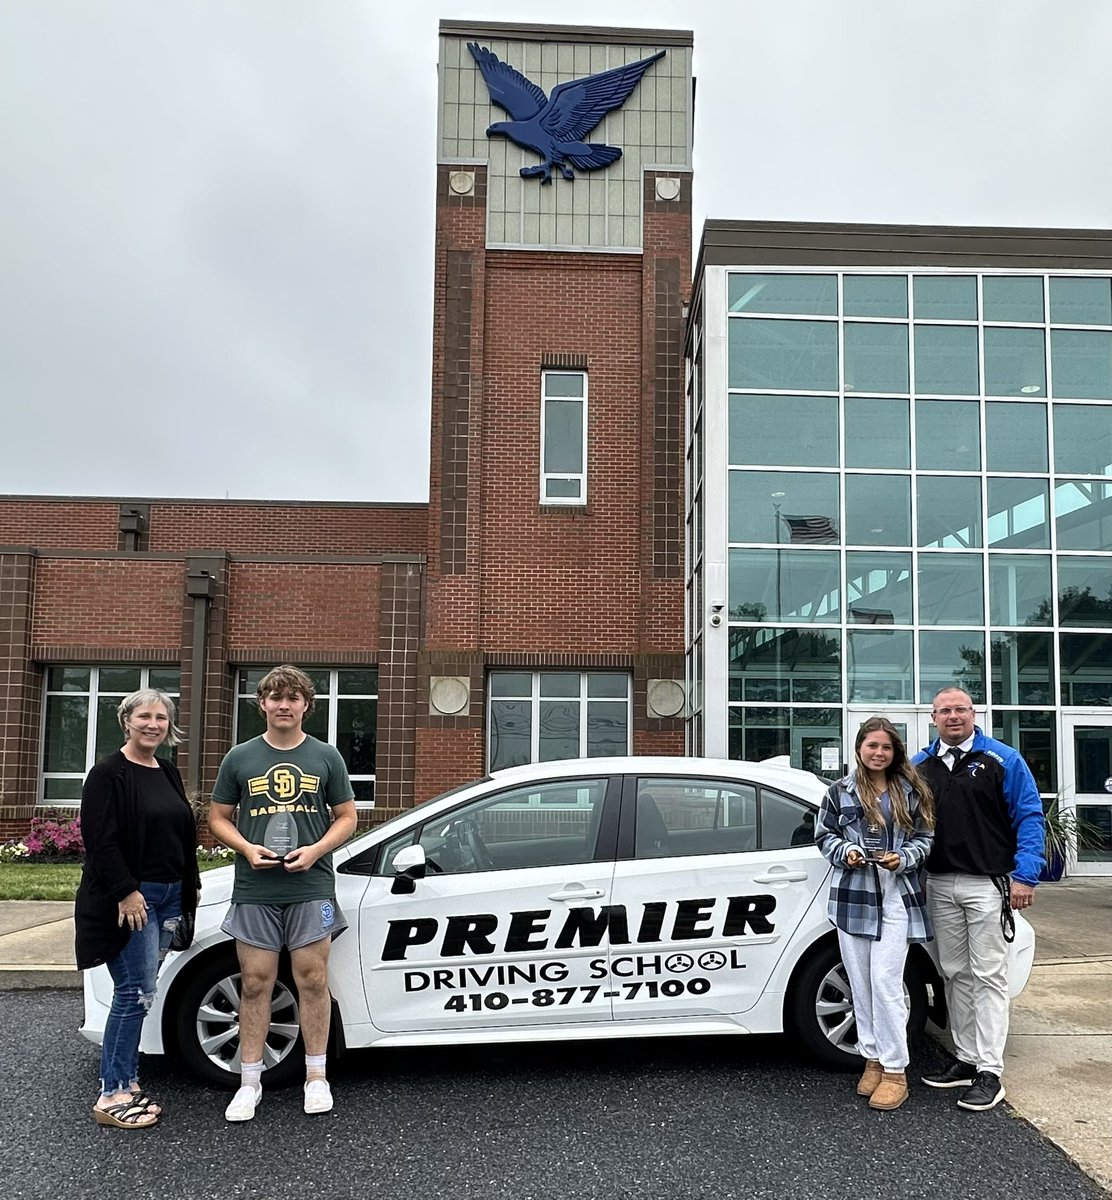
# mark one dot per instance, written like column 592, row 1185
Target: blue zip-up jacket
column 855, row 900
column 988, row 813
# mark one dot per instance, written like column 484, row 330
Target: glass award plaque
column 280, row 835
column 874, row 841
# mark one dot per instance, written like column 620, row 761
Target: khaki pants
column 965, row 912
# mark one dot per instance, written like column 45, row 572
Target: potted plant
column 1065, row 836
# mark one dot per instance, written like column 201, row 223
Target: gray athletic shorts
column 272, row 926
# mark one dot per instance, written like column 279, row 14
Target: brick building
column 534, row 607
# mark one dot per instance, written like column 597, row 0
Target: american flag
column 810, row 529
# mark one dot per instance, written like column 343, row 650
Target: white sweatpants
column 965, row 912
column 875, row 972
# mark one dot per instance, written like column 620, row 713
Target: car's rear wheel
column 206, row 1023
column 820, row 1007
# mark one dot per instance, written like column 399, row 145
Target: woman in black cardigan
column 140, row 877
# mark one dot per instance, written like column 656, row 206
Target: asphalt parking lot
column 725, row 1117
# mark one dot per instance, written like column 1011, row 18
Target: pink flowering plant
column 54, row 837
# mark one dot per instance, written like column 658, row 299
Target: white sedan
column 593, row 898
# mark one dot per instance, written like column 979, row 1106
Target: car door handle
column 572, row 892
column 781, row 875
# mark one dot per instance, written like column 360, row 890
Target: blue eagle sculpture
column 555, row 126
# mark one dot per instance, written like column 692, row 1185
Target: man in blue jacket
column 985, row 861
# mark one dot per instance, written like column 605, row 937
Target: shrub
column 54, row 837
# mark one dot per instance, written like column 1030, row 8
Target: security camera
column 716, row 607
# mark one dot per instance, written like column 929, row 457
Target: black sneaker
column 957, row 1074
column 987, row 1092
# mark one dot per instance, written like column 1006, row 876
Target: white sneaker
column 318, row 1096
column 244, row 1103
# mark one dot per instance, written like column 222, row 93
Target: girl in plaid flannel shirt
column 876, row 827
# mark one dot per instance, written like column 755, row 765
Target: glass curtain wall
column 918, row 493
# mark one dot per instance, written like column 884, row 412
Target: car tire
column 205, row 1031
column 820, row 1007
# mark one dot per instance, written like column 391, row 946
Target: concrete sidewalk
column 1059, row 1055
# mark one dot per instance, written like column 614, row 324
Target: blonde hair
column 174, row 734
column 899, row 768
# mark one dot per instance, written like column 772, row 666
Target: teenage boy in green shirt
column 284, row 893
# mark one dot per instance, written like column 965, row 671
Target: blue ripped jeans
column 134, row 972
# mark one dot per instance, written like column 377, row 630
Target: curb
column 30, row 977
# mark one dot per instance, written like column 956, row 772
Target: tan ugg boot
column 870, row 1077
column 891, row 1092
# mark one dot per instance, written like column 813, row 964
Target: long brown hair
column 898, row 769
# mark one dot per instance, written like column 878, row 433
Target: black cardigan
column 112, row 828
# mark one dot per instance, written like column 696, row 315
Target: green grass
column 48, row 881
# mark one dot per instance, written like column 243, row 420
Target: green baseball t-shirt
column 306, row 781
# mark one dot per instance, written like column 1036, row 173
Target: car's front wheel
column 206, row 1023
column 820, row 1007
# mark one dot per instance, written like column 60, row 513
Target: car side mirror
column 409, row 865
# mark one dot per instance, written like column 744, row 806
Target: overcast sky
column 216, row 216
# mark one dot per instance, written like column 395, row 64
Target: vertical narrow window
column 563, row 437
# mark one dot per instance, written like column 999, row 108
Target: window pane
column 687, row 816
column 1021, row 668
column 874, row 296
column 166, row 679
column 876, row 358
column 1086, row 672
column 1083, row 515
column 1015, row 298
column 1097, row 818
column 600, row 684
column 1085, row 591
column 879, row 665
column 878, row 433
column 954, row 658
column 1033, row 736
column 1083, row 439
column 786, row 823
column 1081, row 360
column 1015, row 362
column 108, row 735
column 784, row 355
column 68, row 679
column 1019, row 589
column 544, row 825
column 1015, row 436
column 510, row 733
column 951, row 589
column 784, row 585
column 356, row 725
column 249, row 681
column 878, row 510
column 949, row 511
column 784, row 431
column 607, row 728
column 316, row 723
column 357, row 683
column 783, row 506
column 1092, row 755
column 946, row 297
column 815, row 295
column 878, row 588
column 559, row 730
column 363, row 790
column 785, row 664
column 560, row 684
column 946, row 360
column 61, row 790
column 563, row 489
column 1019, row 514
column 121, row 680
column 563, row 384
column 511, row 683
column 760, row 733
column 947, row 435
column 249, row 721
column 67, row 728
column 563, row 435
column 1080, row 301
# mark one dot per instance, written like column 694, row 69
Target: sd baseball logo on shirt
column 281, row 790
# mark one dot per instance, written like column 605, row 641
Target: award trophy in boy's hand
column 280, row 835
